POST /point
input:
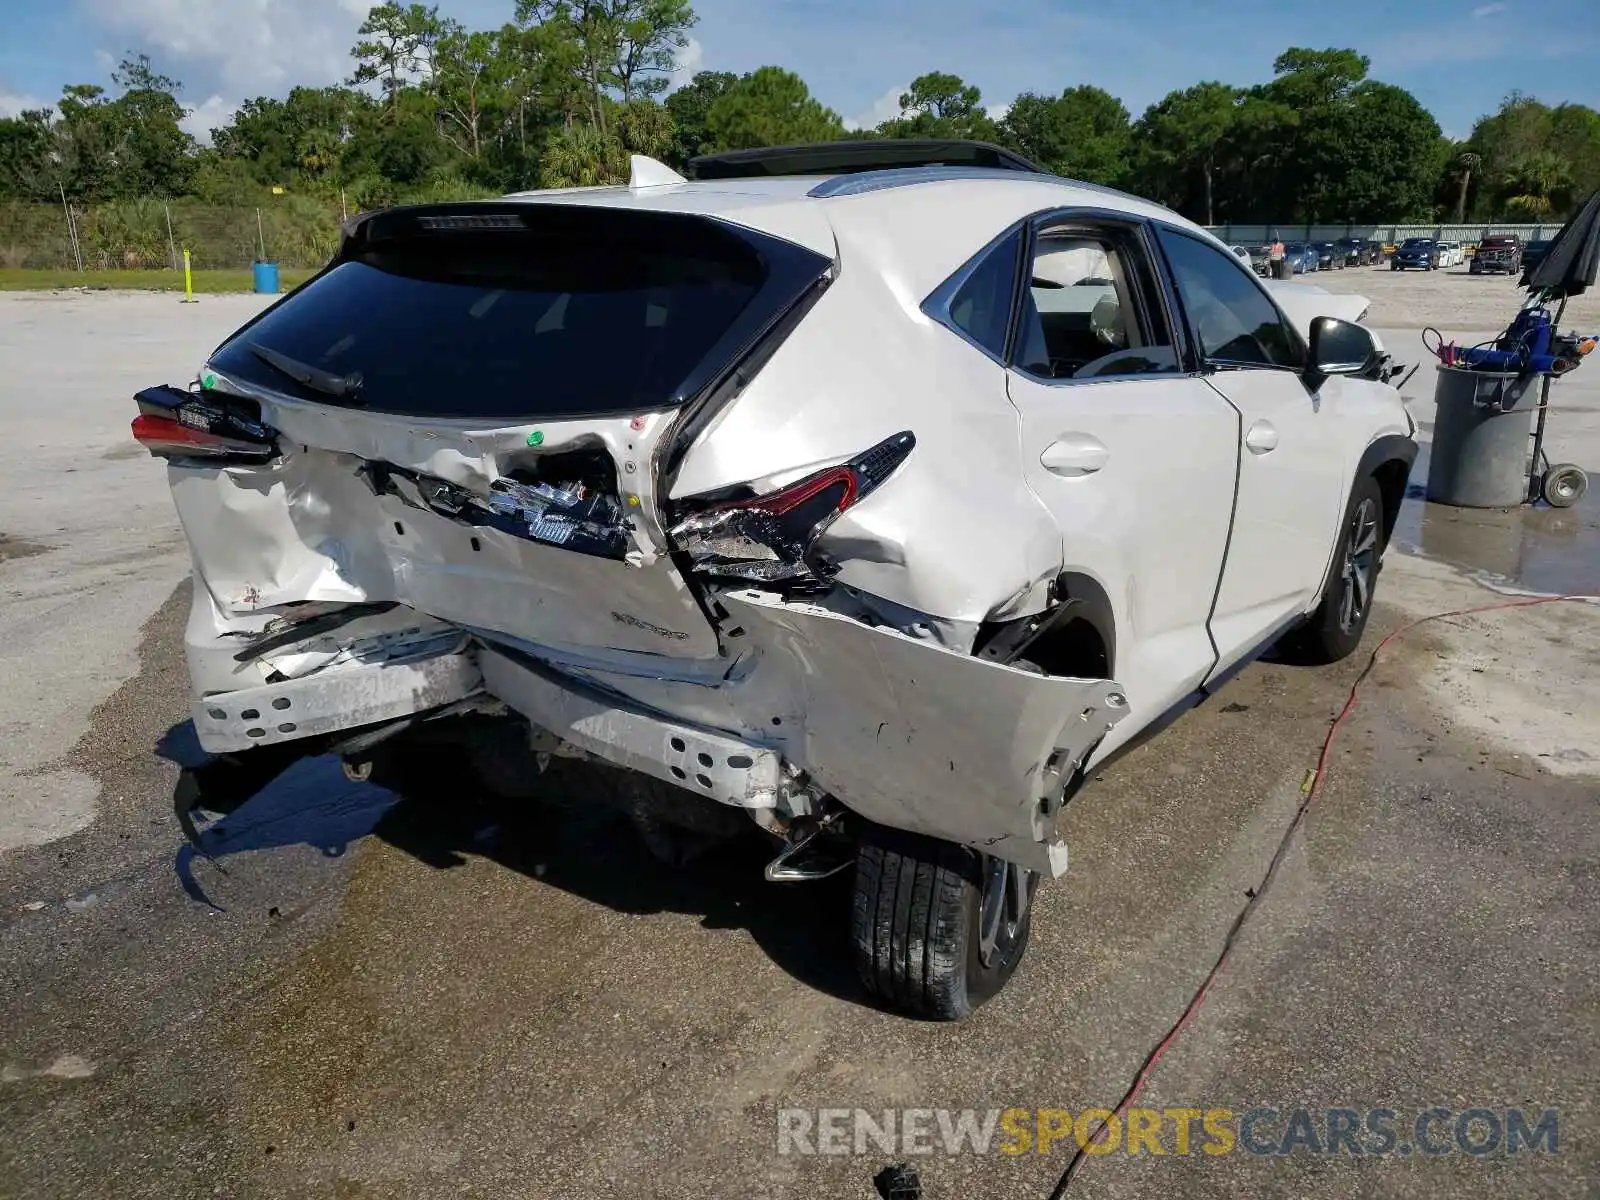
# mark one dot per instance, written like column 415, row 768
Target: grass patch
column 24, row 279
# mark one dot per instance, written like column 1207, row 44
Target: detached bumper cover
column 342, row 698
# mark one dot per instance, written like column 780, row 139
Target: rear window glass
column 581, row 312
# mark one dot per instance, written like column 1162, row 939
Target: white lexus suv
column 880, row 505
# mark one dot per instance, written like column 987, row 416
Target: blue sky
column 1458, row 57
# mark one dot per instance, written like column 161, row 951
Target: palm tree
column 582, row 156
column 1537, row 185
column 1467, row 162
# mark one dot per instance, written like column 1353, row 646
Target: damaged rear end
column 434, row 481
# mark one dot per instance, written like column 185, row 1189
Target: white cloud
column 996, row 112
column 12, row 103
column 886, row 107
column 236, row 48
column 689, row 59
column 213, row 114
column 1488, row 10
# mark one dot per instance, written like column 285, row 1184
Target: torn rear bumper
column 900, row 731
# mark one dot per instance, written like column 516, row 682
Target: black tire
column 1563, row 485
column 1334, row 629
column 919, row 905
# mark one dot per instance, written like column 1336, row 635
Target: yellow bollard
column 188, row 279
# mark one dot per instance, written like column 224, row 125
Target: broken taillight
column 178, row 424
column 772, row 538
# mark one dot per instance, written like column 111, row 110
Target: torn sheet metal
column 331, row 700
column 917, row 737
column 899, row 729
column 571, row 516
column 309, row 528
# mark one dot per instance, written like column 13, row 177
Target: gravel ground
column 1448, row 299
column 370, row 995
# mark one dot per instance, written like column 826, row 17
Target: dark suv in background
column 1533, row 253
column 1357, row 253
column 1496, row 254
column 1416, row 252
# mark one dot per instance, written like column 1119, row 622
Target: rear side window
column 528, row 312
column 981, row 306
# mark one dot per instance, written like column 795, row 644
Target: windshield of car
column 577, row 312
column 1298, row 247
column 1496, row 243
column 1416, row 244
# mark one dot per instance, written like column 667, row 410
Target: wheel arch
column 1388, row 460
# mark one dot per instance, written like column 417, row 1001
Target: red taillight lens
column 770, row 538
column 177, row 424
column 168, row 438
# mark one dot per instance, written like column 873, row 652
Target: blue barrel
column 267, row 278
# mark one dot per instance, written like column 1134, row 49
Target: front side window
column 1235, row 322
column 1081, row 313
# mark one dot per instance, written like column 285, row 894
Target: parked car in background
column 1375, row 251
column 1451, row 254
column 1303, row 256
column 1329, row 256
column 903, row 501
column 1533, row 253
column 1415, row 253
column 1355, row 252
column 1499, row 253
column 1261, row 258
column 1242, row 253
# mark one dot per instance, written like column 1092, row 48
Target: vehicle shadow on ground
column 572, row 835
column 569, row 834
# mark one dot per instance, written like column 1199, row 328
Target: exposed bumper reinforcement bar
column 331, row 700
column 710, row 764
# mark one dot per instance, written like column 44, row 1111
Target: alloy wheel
column 1007, row 894
column 1360, row 564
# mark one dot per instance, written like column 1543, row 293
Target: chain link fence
column 147, row 233
column 1469, row 234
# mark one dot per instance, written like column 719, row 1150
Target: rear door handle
column 1074, row 454
column 1263, row 436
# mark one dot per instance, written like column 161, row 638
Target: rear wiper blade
column 343, row 387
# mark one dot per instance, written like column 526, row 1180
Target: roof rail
column 859, row 154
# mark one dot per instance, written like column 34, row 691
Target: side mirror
column 1338, row 348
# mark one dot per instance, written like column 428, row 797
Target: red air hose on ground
column 1311, row 793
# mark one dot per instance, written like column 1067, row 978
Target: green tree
column 398, row 47
column 1083, row 133
column 26, row 143
column 689, row 107
column 1466, row 162
column 582, row 156
column 1184, row 137
column 1537, row 186
column 154, row 153
column 618, row 50
column 470, row 78
column 770, row 107
column 941, row 105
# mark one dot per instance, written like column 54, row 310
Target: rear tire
column 1334, row 629
column 937, row 928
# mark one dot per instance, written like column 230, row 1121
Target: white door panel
column 1291, row 479
column 1139, row 475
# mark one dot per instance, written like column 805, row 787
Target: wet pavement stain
column 1530, row 547
column 15, row 547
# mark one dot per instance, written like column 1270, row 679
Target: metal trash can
column 1282, row 268
column 1481, row 425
